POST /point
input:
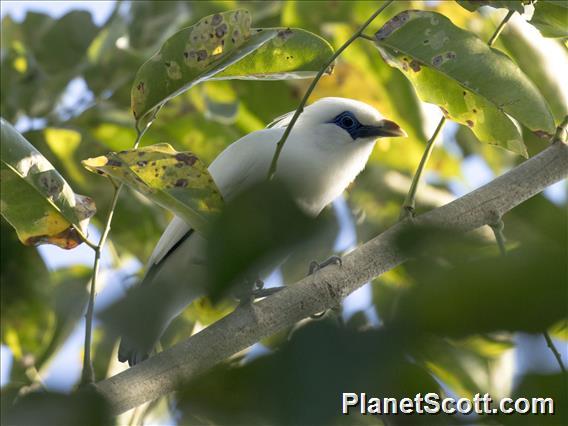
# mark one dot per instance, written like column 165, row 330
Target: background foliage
column 66, row 86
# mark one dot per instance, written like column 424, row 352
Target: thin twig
column 499, row 29
column 323, row 69
column 409, row 202
column 554, row 351
column 88, row 375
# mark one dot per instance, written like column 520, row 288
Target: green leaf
column 36, row 200
column 64, row 43
column 319, row 359
column 551, row 18
column 252, row 235
column 538, row 64
column 473, row 5
column 474, row 84
column 85, row 407
column 486, row 294
column 178, row 181
column 215, row 47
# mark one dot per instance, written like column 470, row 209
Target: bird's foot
column 265, row 292
column 315, row 266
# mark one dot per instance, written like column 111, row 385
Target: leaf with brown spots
column 223, row 46
column 476, row 85
column 177, row 181
column 35, row 199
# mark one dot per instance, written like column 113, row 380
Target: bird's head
column 349, row 121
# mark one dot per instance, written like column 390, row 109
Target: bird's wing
column 282, row 121
column 171, row 236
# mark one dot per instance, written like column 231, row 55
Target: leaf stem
column 499, row 29
column 409, row 202
column 323, row 69
column 88, row 375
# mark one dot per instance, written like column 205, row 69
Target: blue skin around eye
column 347, row 121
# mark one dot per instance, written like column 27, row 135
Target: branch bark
column 160, row 374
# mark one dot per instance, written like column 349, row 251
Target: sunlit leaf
column 36, row 200
column 473, row 5
column 178, row 181
column 474, row 84
column 224, row 46
column 551, row 18
column 539, row 63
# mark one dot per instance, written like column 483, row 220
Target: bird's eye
column 347, row 122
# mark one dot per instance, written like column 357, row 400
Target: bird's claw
column 315, row 266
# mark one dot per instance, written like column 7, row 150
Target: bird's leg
column 255, row 290
column 265, row 292
column 313, row 268
column 245, row 295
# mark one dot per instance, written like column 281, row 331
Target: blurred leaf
column 63, row 44
column 49, row 408
column 487, row 294
column 40, row 56
column 111, row 64
column 560, row 330
column 466, row 366
column 473, row 5
column 527, row 225
column 455, row 70
column 63, row 143
column 39, row 308
column 303, row 382
column 22, row 280
column 68, row 299
column 318, row 248
column 550, row 17
column 533, row 386
column 252, row 235
column 222, row 46
column 177, row 181
column 36, row 200
column 153, row 21
column 527, row 51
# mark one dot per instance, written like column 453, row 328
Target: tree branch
column 160, row 374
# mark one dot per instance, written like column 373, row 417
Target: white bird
column 327, row 148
